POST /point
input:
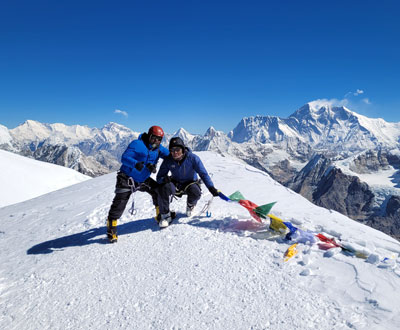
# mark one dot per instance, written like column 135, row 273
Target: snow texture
column 23, row 178
column 225, row 271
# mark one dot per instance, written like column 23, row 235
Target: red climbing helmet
column 156, row 131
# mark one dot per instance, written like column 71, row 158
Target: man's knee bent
column 194, row 193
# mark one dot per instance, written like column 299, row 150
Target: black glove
column 139, row 166
column 167, row 179
column 213, row 191
column 151, row 167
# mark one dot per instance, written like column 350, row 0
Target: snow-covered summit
column 322, row 113
column 30, row 130
column 327, row 126
column 219, row 272
column 212, row 132
column 115, row 133
column 323, row 126
column 184, row 135
column 262, row 129
column 34, row 133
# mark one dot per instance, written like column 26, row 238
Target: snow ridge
column 34, row 178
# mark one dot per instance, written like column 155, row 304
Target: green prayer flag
column 263, row 210
column 236, row 196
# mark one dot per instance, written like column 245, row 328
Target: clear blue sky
column 194, row 64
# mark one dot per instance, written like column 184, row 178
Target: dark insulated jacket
column 185, row 172
column 138, row 151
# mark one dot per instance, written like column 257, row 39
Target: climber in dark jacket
column 139, row 161
column 185, row 167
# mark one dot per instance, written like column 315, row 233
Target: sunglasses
column 175, row 149
column 155, row 137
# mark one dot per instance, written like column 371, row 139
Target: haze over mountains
column 331, row 155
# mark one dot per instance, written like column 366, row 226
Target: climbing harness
column 134, row 186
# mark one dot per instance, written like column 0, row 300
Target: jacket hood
column 177, row 142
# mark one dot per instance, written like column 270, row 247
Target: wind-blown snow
column 23, row 178
column 220, row 272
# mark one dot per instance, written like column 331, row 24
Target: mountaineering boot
column 157, row 214
column 165, row 219
column 189, row 209
column 112, row 231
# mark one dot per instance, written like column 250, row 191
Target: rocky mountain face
column 71, row 157
column 389, row 223
column 325, row 184
column 374, row 161
column 345, row 194
column 328, row 154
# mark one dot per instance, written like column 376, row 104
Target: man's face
column 155, row 141
column 176, row 153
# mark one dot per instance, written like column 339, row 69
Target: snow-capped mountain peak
column 115, row 133
column 116, row 128
column 322, row 125
column 182, row 133
column 185, row 136
column 256, row 129
column 323, row 113
column 212, row 132
column 30, row 130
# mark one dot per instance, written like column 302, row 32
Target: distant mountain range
column 331, row 155
column 91, row 151
column 323, row 127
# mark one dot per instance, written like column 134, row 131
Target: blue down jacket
column 139, row 151
column 186, row 170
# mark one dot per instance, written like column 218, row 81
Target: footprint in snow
column 332, row 252
column 306, row 272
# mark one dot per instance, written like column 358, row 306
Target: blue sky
column 194, row 64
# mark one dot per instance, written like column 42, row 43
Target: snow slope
column 23, row 178
column 220, row 272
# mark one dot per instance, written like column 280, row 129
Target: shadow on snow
column 97, row 235
column 92, row 236
column 243, row 227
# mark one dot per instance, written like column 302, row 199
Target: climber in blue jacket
column 139, row 161
column 185, row 167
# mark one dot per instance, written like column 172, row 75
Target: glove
column 139, row 166
column 167, row 179
column 151, row 167
column 213, row 191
